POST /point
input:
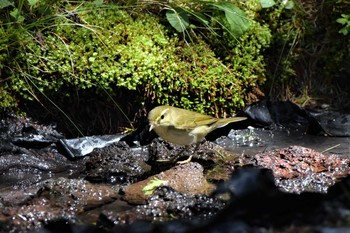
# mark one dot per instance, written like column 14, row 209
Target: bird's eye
column 162, row 117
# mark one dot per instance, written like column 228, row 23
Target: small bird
column 184, row 127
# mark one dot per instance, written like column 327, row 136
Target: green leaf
column 5, row 3
column 178, row 19
column 342, row 21
column 17, row 15
column 32, row 2
column 344, row 31
column 98, row 2
column 289, row 5
column 235, row 17
column 152, row 185
column 267, row 3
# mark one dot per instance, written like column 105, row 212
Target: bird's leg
column 189, row 158
column 179, row 154
column 174, row 158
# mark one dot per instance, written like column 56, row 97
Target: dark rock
column 117, row 163
column 334, row 123
column 282, row 113
column 76, row 193
column 52, row 200
column 28, row 153
column 161, row 150
column 164, row 204
column 29, row 159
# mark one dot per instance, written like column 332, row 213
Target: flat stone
column 186, row 178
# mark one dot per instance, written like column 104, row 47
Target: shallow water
column 254, row 140
column 273, row 149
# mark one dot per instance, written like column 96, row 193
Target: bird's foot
column 164, row 161
column 185, row 161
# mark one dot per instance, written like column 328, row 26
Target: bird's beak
column 151, row 127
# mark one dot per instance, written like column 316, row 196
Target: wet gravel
column 298, row 169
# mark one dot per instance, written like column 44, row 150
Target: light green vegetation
column 69, row 49
column 152, row 185
column 309, row 52
column 208, row 56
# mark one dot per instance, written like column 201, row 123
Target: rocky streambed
column 125, row 188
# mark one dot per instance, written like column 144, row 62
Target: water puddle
column 255, row 140
column 300, row 162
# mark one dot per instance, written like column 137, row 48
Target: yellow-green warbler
column 184, row 127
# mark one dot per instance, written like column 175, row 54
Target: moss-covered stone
column 104, row 48
column 120, row 51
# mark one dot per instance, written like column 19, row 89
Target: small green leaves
column 345, row 21
column 92, row 59
column 267, row 3
column 32, row 2
column 152, row 185
column 5, row 3
column 288, row 4
column 98, row 2
column 17, row 15
column 136, row 53
column 178, row 18
column 235, row 17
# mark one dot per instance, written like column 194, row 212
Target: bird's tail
column 224, row 121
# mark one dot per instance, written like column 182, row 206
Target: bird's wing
column 196, row 119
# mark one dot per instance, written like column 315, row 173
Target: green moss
column 120, row 51
column 307, row 54
column 244, row 56
column 138, row 53
column 6, row 99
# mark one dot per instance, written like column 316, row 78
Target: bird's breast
column 176, row 136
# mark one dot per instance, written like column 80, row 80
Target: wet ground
column 252, row 180
column 255, row 140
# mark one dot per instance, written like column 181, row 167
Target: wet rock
column 256, row 205
column 334, row 123
column 279, row 112
column 218, row 162
column 14, row 130
column 117, row 163
column 299, row 169
column 282, row 113
column 186, row 178
column 28, row 153
column 77, row 193
column 160, row 149
column 222, row 169
column 29, row 166
column 15, row 196
column 290, row 115
column 29, row 217
column 28, row 159
column 54, row 199
column 24, row 132
column 164, row 204
column 79, row 147
column 257, row 202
